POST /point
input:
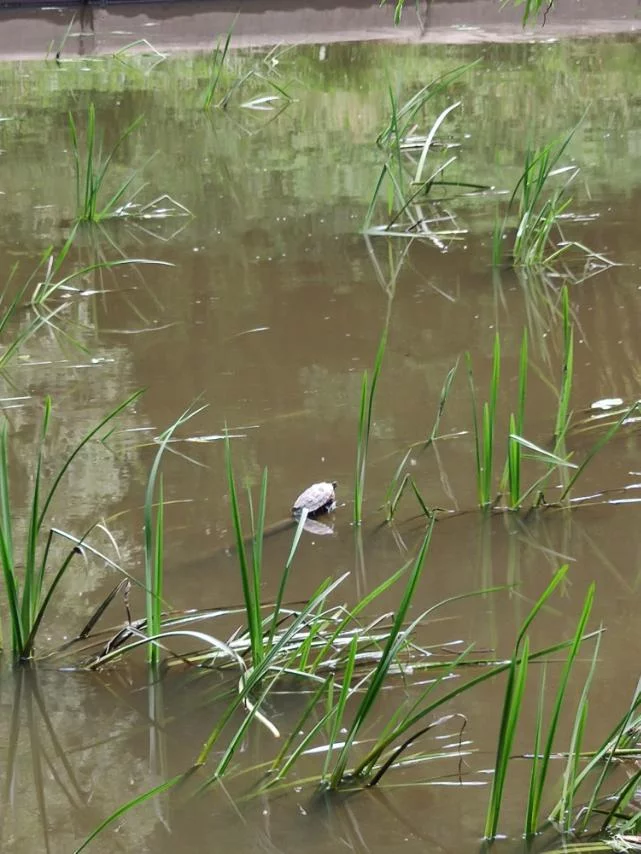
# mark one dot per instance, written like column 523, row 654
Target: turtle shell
column 316, row 499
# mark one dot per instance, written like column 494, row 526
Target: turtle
column 317, row 499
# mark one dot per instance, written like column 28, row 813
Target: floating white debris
column 607, row 403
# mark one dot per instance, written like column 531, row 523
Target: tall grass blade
column 338, row 718
column 563, row 414
column 218, row 62
column 511, row 712
column 475, row 429
column 285, row 574
column 536, row 793
column 368, row 393
column 574, row 753
column 131, row 804
column 153, row 539
column 11, row 583
column 251, row 596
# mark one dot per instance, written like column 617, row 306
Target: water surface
column 270, row 313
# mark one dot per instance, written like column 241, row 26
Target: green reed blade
column 153, row 538
column 553, row 461
column 368, row 393
column 396, row 497
column 75, row 151
column 218, row 62
column 91, row 171
column 511, row 711
column 251, row 597
column 538, row 730
column 87, row 438
column 42, row 603
column 367, row 223
column 285, row 574
column 102, row 167
column 42, row 294
column 491, row 419
column 475, row 427
column 487, row 436
column 360, row 451
column 563, row 411
column 445, row 393
column 89, row 206
column 11, row 582
column 514, row 466
column 154, row 626
column 123, row 809
column 571, row 771
column 338, row 721
column 417, row 494
column 536, row 795
column 257, row 549
column 541, row 455
column 430, row 138
column 34, row 575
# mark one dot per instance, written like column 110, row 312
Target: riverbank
column 30, row 32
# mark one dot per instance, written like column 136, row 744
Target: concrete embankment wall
column 27, row 30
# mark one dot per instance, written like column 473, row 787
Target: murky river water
column 270, row 313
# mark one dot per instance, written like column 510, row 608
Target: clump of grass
column 606, row 816
column 413, row 169
column 511, row 493
column 29, row 579
column 539, row 211
column 263, row 75
column 91, row 168
column 512, row 705
column 539, row 207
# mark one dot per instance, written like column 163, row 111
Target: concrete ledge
column 184, row 25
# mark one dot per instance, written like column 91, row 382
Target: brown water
column 270, row 314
